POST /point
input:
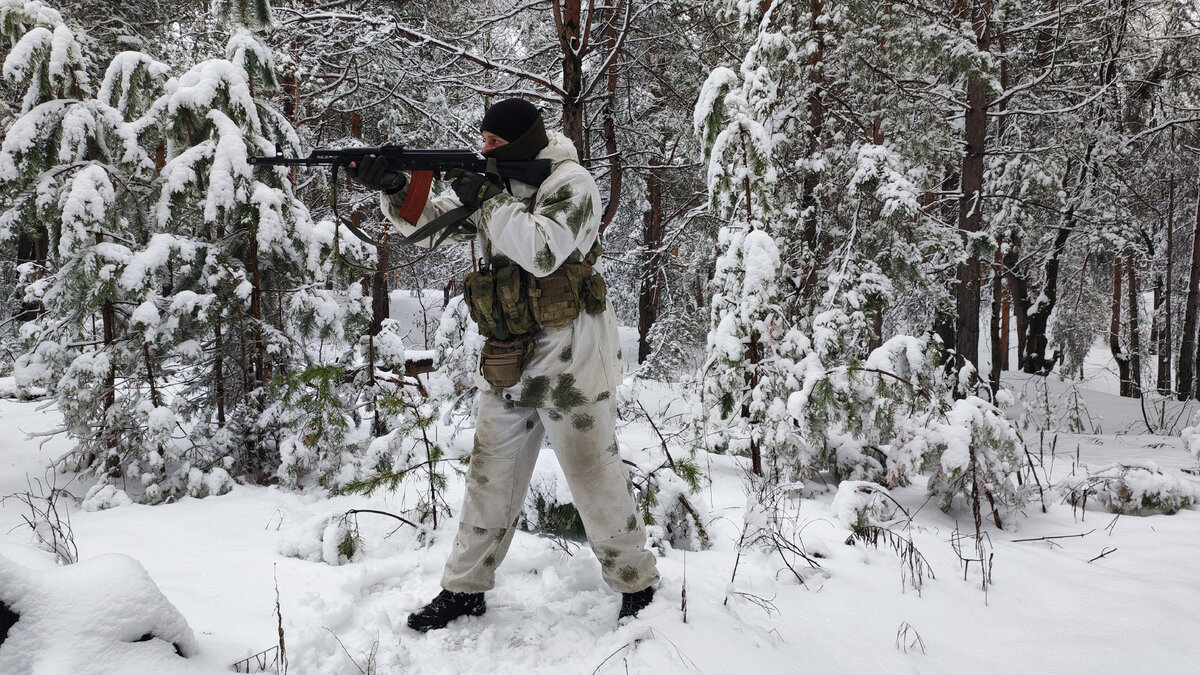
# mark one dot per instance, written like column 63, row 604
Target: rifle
column 425, row 165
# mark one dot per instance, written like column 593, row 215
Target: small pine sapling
column 1131, row 488
column 664, row 492
column 410, row 447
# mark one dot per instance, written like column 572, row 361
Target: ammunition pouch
column 479, row 292
column 555, row 299
column 595, row 293
column 501, row 362
column 513, row 290
column 507, row 302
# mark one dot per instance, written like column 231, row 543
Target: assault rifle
column 425, row 165
column 438, row 162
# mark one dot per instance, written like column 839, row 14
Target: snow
column 19, row 58
column 245, row 51
column 204, row 83
column 84, row 205
column 118, row 78
column 229, row 169
column 104, row 496
column 1053, row 604
column 719, row 81
column 91, row 617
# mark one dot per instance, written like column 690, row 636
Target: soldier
column 549, row 368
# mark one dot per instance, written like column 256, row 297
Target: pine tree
column 75, row 176
column 825, row 226
column 164, row 326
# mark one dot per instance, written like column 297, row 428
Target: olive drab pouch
column 502, row 361
column 479, row 292
column 555, row 298
column 595, row 293
column 513, row 293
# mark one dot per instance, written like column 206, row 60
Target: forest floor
column 1068, row 590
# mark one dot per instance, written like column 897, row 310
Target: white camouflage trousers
column 507, row 442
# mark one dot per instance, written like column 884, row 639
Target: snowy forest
column 865, row 257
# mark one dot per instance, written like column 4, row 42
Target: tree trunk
column 816, row 125
column 613, row 153
column 108, row 316
column 1038, row 319
column 379, row 285
column 259, row 368
column 108, row 328
column 1165, row 317
column 970, row 207
column 1135, row 351
column 753, row 351
column 1187, row 338
column 219, row 372
column 1018, row 290
column 1005, row 315
column 652, row 240
column 997, row 325
column 970, row 221
column 1158, row 343
column 1114, row 331
column 567, row 20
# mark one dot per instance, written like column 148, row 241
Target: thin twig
column 1060, row 536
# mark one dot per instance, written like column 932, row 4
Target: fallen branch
column 1060, row 536
column 402, row 519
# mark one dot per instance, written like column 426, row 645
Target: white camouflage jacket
column 539, row 228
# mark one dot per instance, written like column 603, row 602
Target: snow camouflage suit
column 565, row 392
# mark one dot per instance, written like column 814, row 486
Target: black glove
column 375, row 174
column 473, row 189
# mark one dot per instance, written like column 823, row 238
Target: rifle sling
column 445, row 223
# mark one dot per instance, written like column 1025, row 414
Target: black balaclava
column 520, row 123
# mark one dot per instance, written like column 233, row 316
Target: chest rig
column 508, row 303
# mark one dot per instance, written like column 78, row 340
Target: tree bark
column 649, row 286
column 611, row 150
column 997, row 325
column 754, row 352
column 567, row 19
column 1019, row 292
column 970, row 221
column 1185, row 370
column 219, row 371
column 816, row 125
column 970, row 207
column 1036, row 342
column 1005, row 315
column 1114, row 330
column 1135, row 351
column 1165, row 317
column 380, row 309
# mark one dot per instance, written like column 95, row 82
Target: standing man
column 549, row 368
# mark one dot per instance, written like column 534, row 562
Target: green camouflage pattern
column 598, row 480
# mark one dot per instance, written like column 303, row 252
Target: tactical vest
column 506, row 302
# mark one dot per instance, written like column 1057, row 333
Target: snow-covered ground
column 1114, row 595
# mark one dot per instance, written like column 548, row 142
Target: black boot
column 446, row 607
column 632, row 603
